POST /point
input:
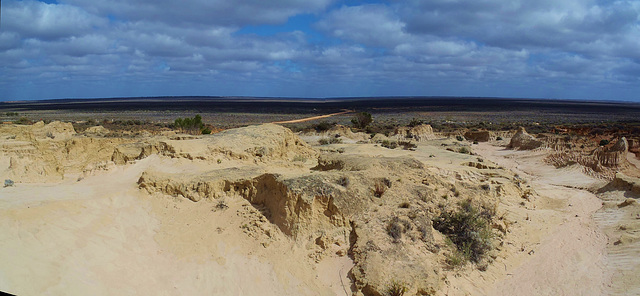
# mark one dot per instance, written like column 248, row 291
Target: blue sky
column 570, row 49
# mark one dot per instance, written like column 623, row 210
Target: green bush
column 415, row 122
column 23, row 120
column 190, row 125
column 469, row 230
column 460, row 138
column 362, row 120
column 604, row 142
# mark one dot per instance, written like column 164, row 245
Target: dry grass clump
column 469, row 229
column 381, row 186
column 397, row 227
column 389, row 144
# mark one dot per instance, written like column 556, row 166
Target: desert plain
column 484, row 197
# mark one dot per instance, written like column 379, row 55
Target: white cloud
column 210, row 12
column 371, row 25
column 32, row 19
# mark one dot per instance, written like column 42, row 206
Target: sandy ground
column 102, row 235
column 571, row 258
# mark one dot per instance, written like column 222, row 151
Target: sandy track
column 314, row 117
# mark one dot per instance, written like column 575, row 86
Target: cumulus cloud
column 566, row 25
column 413, row 47
column 32, row 19
column 372, row 25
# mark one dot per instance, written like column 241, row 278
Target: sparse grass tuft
column 326, row 141
column 299, row 158
column 397, row 289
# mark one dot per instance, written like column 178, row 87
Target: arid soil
column 261, row 210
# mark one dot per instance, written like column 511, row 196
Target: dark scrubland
column 444, row 114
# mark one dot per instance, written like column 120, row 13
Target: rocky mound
column 622, row 182
column 523, row 141
column 266, row 142
column 480, row 136
column 39, row 131
column 97, row 131
column 341, row 131
column 420, row 133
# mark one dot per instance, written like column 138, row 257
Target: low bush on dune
column 323, row 126
column 469, row 229
column 389, row 144
column 326, row 141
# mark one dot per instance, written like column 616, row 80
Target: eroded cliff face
column 603, row 162
column 51, row 152
column 346, row 204
column 522, row 140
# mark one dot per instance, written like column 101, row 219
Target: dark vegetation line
column 293, row 105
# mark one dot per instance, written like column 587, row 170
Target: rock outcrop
column 341, row 131
column 522, row 140
column 613, row 156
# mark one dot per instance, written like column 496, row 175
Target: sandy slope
column 102, row 236
column 570, row 258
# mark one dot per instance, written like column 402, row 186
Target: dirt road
column 314, row 117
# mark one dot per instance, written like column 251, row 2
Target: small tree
column 361, row 120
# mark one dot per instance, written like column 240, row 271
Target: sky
column 563, row 49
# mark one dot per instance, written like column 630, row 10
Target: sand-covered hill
column 259, row 211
